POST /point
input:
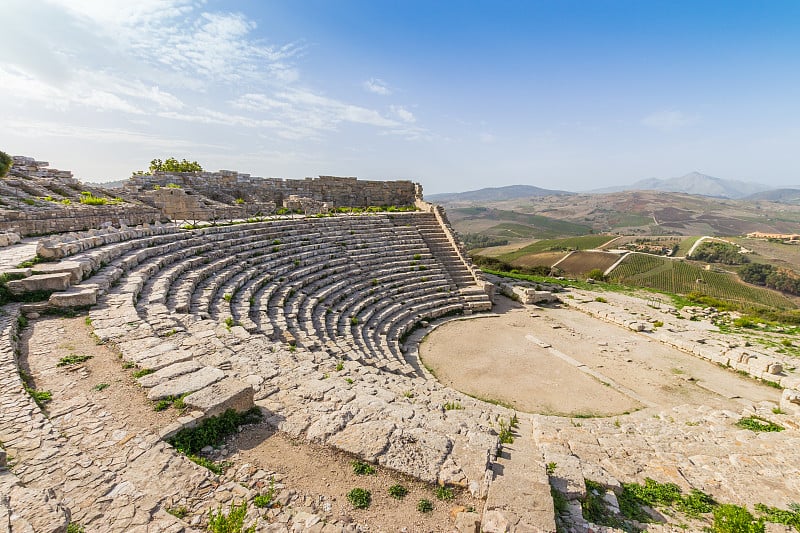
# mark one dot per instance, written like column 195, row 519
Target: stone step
column 169, row 372
column 519, row 495
column 40, row 282
column 191, row 382
column 74, row 297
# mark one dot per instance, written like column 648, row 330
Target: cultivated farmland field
column 579, row 263
column 586, row 242
column 541, row 259
column 683, row 277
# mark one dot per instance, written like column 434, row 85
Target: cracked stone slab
column 217, row 398
column 186, row 383
column 169, row 372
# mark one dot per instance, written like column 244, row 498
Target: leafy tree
column 173, row 165
column 756, row 273
column 5, row 163
column 597, row 274
column 719, row 252
column 783, row 280
column 478, row 240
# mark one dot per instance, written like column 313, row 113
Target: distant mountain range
column 783, row 196
column 494, row 194
column 693, row 183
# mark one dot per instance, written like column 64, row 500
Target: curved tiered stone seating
column 351, row 286
column 320, row 282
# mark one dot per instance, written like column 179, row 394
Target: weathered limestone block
column 495, row 522
column 18, row 272
column 790, row 401
column 367, row 440
column 8, row 238
column 74, row 297
column 468, row 522
column 417, row 450
column 169, row 372
column 221, row 396
column 74, row 268
column 41, row 282
column 774, row 368
column 186, row 383
column 49, row 249
column 567, row 478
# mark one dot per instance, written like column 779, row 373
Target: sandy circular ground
column 591, row 368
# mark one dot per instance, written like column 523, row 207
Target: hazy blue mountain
column 494, row 194
column 784, row 196
column 694, row 183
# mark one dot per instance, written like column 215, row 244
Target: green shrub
column 505, row 435
column 781, row 516
column 444, row 493
column 178, row 512
column 5, row 163
column 41, row 397
column 398, row 492
column 362, row 469
column 758, row 424
column 213, row 430
column 173, row 165
column 424, row 506
column 88, row 198
column 74, row 527
column 359, row 498
column 73, row 359
column 101, row 386
column 205, row 463
column 265, row 500
column 142, row 372
column 729, row 518
column 450, row 406
column 653, row 494
column 232, row 522
column 696, row 503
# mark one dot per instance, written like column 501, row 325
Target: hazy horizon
column 560, row 95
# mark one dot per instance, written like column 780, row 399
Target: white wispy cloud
column 168, row 60
column 302, row 110
column 403, row 114
column 667, row 120
column 377, row 86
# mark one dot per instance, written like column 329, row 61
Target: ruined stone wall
column 226, row 186
column 78, row 218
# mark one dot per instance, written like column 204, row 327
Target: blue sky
column 457, row 95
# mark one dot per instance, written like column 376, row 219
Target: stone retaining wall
column 227, row 186
column 75, row 218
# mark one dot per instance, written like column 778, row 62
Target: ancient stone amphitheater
column 313, row 319
column 227, row 315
